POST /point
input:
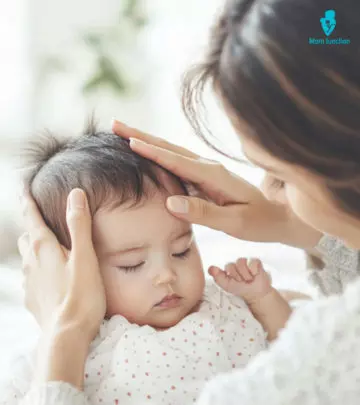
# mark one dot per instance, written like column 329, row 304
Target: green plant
column 114, row 40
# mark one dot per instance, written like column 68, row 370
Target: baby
column 166, row 331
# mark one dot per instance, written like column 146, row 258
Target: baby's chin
column 169, row 320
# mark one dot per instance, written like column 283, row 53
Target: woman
column 296, row 108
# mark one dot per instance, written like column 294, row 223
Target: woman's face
column 289, row 184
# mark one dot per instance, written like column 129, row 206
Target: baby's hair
column 100, row 163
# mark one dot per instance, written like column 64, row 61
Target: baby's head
column 145, row 253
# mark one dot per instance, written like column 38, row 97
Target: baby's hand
column 247, row 281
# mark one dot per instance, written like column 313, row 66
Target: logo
column 328, row 23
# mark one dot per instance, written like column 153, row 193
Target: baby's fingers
column 219, row 276
column 243, row 270
column 255, row 267
column 231, row 271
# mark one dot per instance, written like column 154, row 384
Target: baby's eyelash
column 128, row 269
column 183, row 254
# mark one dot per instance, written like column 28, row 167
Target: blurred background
column 64, row 60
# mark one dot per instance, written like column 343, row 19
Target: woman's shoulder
column 342, row 266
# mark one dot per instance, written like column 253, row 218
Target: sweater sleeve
column 315, row 360
column 55, row 393
column 341, row 266
column 18, row 389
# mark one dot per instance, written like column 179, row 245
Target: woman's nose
column 165, row 276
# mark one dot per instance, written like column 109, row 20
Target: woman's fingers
column 124, row 131
column 79, row 222
column 34, row 221
column 24, row 244
column 187, row 167
column 206, row 213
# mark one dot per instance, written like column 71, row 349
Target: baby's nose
column 165, row 276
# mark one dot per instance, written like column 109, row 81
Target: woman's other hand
column 224, row 200
column 62, row 288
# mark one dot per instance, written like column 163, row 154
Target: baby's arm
column 251, row 283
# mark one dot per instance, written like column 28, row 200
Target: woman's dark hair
column 100, row 163
column 299, row 100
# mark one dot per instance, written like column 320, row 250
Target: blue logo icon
column 328, row 23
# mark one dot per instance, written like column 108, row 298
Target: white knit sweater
column 315, row 360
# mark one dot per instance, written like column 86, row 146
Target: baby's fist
column 247, row 280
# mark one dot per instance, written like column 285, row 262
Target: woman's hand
column 63, row 290
column 225, row 201
column 62, row 286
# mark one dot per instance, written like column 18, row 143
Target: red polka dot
column 201, row 325
column 129, row 394
column 148, row 396
column 233, row 366
column 98, row 373
column 148, row 352
column 217, row 354
column 172, row 339
column 126, row 360
column 239, row 354
column 147, row 374
column 86, row 375
column 210, row 364
column 222, row 331
column 173, row 387
column 133, row 376
column 194, row 333
column 116, row 402
column 164, row 354
column 181, row 378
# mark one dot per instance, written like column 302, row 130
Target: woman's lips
column 170, row 301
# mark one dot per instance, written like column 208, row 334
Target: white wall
column 15, row 76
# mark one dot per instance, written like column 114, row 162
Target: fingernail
column 116, row 121
column 77, row 199
column 136, row 142
column 178, row 204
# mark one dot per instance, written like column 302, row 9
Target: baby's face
column 147, row 255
